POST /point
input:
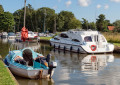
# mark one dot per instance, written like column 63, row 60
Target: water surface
column 73, row 68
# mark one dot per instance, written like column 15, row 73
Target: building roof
column 111, row 28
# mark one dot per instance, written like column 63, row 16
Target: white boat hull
column 82, row 48
column 32, row 74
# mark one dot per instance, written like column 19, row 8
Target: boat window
column 64, row 36
column 56, row 38
column 75, row 40
column 96, row 38
column 103, row 39
column 88, row 39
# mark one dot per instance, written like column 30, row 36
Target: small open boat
column 29, row 64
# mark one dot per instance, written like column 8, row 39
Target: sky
column 88, row 9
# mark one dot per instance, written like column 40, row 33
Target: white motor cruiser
column 82, row 42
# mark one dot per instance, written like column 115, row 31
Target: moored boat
column 82, row 41
column 4, row 35
column 29, row 64
column 11, row 35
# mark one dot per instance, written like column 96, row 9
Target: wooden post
column 24, row 13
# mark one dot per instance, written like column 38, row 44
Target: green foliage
column 117, row 25
column 6, row 22
column 85, row 24
column 66, row 20
column 1, row 10
column 92, row 26
column 101, row 23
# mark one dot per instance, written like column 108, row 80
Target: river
column 73, row 68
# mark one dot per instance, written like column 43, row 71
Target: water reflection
column 91, row 64
column 23, row 81
column 4, row 40
column 76, row 69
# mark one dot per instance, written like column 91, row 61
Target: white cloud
column 68, row 3
column 116, row 1
column 98, row 6
column 84, row 3
column 106, row 6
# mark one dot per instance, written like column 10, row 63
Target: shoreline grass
column 5, row 77
column 112, row 37
column 45, row 38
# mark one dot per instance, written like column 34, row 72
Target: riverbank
column 6, row 77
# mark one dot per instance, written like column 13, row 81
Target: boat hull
column 81, row 48
column 32, row 74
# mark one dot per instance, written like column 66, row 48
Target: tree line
column 45, row 19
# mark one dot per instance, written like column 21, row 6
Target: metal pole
column 44, row 20
column 24, row 12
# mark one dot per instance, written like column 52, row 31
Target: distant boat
column 29, row 64
column 32, row 36
column 11, row 35
column 4, row 35
column 82, row 42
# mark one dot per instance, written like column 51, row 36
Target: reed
column 112, row 37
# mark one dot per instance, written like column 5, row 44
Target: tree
column 1, row 17
column 74, row 23
column 117, row 25
column 92, row 26
column 85, row 24
column 66, row 20
column 45, row 19
column 1, row 9
column 8, row 22
column 102, row 23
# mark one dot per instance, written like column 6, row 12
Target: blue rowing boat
column 29, row 64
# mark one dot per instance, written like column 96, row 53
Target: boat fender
column 54, row 45
column 64, row 48
column 71, row 48
column 59, row 47
column 5, row 61
column 50, row 44
column 93, row 47
column 78, row 50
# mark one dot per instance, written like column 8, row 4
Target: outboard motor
column 51, row 65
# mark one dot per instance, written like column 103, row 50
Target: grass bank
column 45, row 38
column 5, row 77
column 112, row 37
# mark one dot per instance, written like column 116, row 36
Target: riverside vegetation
column 5, row 77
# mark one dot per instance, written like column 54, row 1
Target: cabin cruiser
column 82, row 41
column 11, row 35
